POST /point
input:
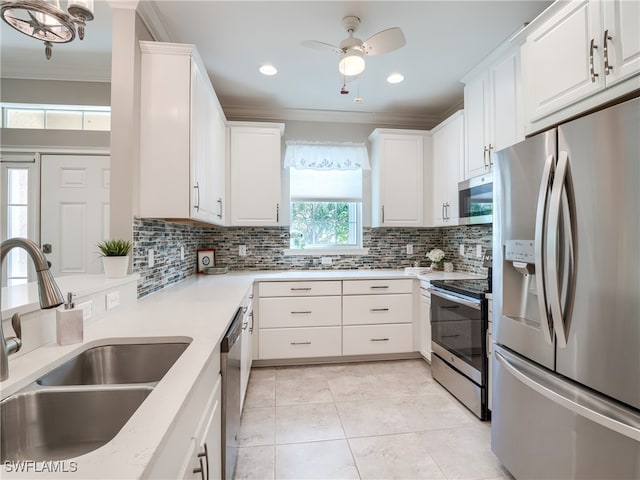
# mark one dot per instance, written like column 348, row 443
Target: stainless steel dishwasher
column 230, row 356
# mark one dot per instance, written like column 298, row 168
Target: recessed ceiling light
column 268, row 70
column 395, row 78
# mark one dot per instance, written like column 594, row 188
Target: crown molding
column 148, row 13
column 66, row 76
column 390, row 120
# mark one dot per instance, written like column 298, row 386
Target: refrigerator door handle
column 541, row 229
column 577, row 400
column 561, row 199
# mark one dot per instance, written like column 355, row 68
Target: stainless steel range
column 458, row 333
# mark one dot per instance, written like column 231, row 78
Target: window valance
column 305, row 155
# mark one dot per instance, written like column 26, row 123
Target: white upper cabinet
column 581, row 53
column 448, row 159
column 493, row 112
column 182, row 136
column 397, row 175
column 255, row 164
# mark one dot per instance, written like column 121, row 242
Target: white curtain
column 326, row 156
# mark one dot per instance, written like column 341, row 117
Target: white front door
column 74, row 211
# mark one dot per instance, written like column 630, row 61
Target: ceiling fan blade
column 322, row 46
column 384, row 41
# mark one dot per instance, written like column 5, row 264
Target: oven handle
column 453, row 298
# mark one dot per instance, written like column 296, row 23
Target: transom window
column 58, row 117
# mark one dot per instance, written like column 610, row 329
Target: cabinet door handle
column 200, row 469
column 197, row 189
column 301, row 289
column 443, row 215
column 379, row 286
column 219, row 207
column 592, row 47
column 302, row 312
column 204, row 454
column 378, row 309
column 382, row 214
column 484, row 156
column 277, row 213
column 605, row 51
column 490, row 157
column 378, row 339
column 300, row 343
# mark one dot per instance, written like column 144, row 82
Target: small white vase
column 115, row 267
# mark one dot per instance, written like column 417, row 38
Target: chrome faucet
column 48, row 291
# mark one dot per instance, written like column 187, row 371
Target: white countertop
column 199, row 308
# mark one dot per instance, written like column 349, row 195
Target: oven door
column 458, row 330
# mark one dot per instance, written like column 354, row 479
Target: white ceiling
column 445, row 39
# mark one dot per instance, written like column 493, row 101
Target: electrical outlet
column 181, row 252
column 87, row 309
column 112, row 300
column 461, row 249
column 479, row 251
column 409, row 249
column 242, row 250
column 152, row 260
column 326, row 260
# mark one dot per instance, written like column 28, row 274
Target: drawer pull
column 302, row 312
column 378, row 309
column 300, row 289
column 378, row 339
column 379, row 286
column 300, row 343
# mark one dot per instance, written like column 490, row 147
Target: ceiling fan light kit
column 351, row 62
column 45, row 20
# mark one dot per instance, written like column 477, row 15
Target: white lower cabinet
column 279, row 312
column 302, row 342
column 377, row 309
column 246, row 345
column 425, row 323
column 205, row 461
column 196, row 434
column 377, row 339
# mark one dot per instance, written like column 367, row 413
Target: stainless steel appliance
column 458, row 333
column 566, row 309
column 475, row 200
column 230, row 359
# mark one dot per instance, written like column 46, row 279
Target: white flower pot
column 115, row 267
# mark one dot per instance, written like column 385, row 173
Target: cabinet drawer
column 299, row 289
column 300, row 342
column 375, row 309
column 369, row 339
column 368, row 287
column 276, row 312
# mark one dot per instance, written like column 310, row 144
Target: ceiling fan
column 352, row 50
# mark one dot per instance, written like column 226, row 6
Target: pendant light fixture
column 45, row 20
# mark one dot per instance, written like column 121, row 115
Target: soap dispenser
column 69, row 323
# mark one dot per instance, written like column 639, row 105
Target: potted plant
column 115, row 257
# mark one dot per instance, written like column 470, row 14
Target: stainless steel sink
column 56, row 424
column 116, row 364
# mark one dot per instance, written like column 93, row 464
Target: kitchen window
column 325, row 187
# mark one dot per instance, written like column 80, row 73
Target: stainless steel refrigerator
column 566, row 315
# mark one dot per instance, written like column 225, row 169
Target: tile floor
column 375, row 420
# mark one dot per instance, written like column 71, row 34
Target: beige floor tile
column 297, row 372
column 260, row 393
column 389, row 457
column 263, row 373
column 302, row 391
column 255, row 463
column 418, row 366
column 318, row 460
column 308, row 423
column 257, row 426
column 400, row 415
column 381, row 385
column 463, row 453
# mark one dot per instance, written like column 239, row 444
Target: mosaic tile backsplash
column 265, row 249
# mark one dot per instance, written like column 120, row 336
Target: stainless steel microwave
column 476, row 200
